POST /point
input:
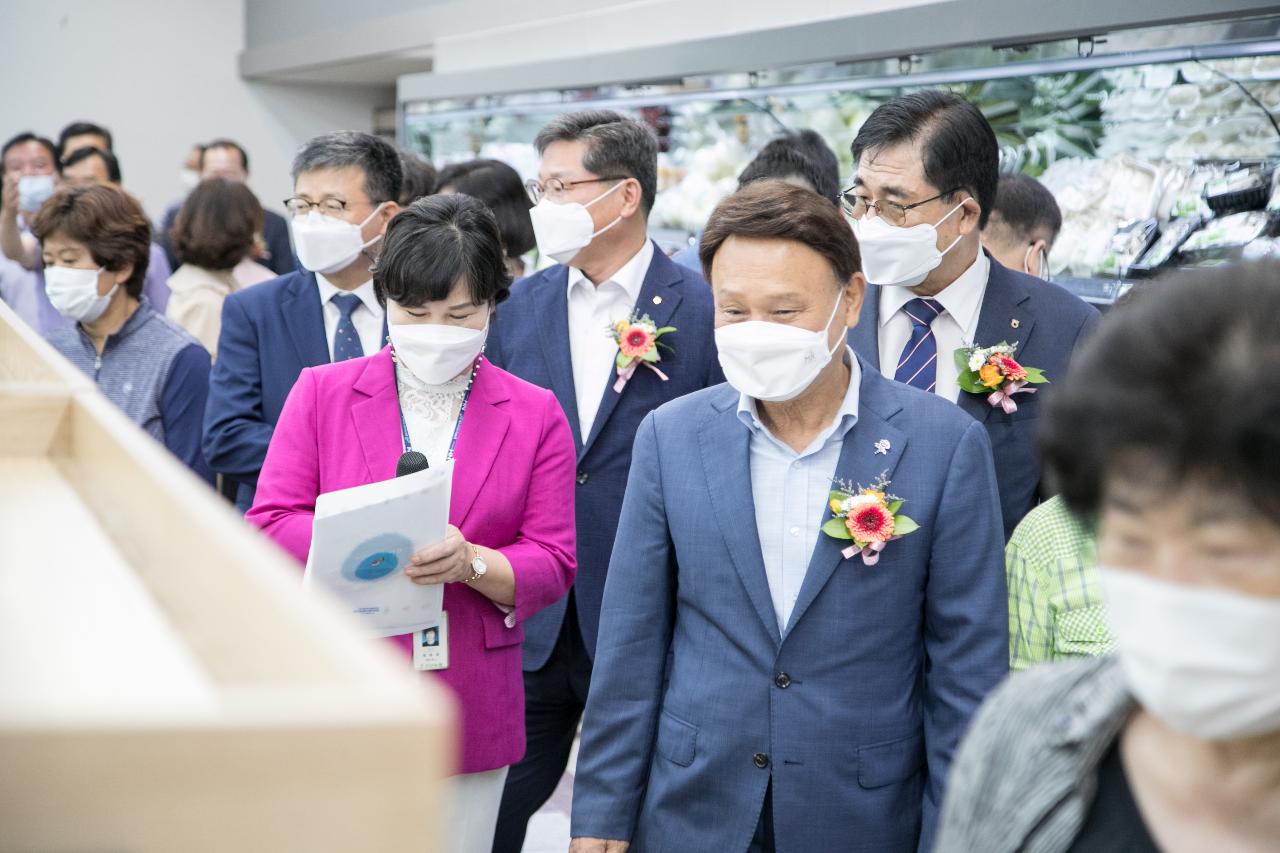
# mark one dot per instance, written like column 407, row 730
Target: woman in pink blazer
column 510, row 547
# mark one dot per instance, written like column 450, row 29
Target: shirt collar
column 846, row 415
column 365, row 291
column 962, row 299
column 630, row 277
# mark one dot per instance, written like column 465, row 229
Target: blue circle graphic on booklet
column 378, row 557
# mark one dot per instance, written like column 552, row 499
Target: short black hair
column 775, row 210
column 82, row 128
column 1183, row 380
column 499, row 186
column 779, row 162
column 108, row 159
column 28, row 136
column 1024, row 211
column 418, row 177
column 615, row 145
column 373, row 155
column 959, row 146
column 811, row 144
column 225, row 143
column 436, row 242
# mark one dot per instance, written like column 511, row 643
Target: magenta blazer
column 513, row 490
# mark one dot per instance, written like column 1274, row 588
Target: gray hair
column 615, row 145
column 374, row 156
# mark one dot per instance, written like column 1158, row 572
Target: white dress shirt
column 955, row 327
column 367, row 318
column 593, row 309
column 791, row 491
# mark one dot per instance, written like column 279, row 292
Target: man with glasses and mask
column 1023, row 225
column 595, row 187
column 927, row 169
column 345, row 189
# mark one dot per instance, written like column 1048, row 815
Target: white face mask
column 326, row 244
column 33, row 191
column 564, row 230
column 188, row 178
column 1204, row 661
column 899, row 257
column 434, row 352
column 74, row 293
column 773, row 361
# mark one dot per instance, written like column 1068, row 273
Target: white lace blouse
column 431, row 412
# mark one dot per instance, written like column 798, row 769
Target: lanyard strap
column 457, row 427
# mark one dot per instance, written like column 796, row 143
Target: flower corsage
column 868, row 517
column 638, row 340
column 994, row 371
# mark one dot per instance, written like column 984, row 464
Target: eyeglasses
column 892, row 212
column 555, row 188
column 330, row 206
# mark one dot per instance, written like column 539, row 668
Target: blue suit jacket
column 886, row 663
column 530, row 338
column 270, row 332
column 1050, row 323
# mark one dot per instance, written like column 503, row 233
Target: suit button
column 582, row 478
column 782, row 680
column 760, row 760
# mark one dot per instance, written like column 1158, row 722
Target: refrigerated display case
column 1150, row 139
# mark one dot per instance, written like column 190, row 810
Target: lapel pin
column 882, row 447
column 1015, row 322
column 657, row 300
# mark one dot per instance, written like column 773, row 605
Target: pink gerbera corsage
column 994, row 371
column 868, row 517
column 638, row 340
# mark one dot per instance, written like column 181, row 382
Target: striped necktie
column 918, row 366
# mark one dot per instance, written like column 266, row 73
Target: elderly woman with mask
column 1164, row 434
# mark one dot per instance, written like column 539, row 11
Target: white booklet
column 364, row 537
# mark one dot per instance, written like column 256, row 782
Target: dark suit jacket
column 270, row 332
column 275, row 233
column 530, row 338
column 1048, row 323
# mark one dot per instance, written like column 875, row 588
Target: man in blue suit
column 927, row 170
column 596, row 185
column 762, row 684
column 345, row 190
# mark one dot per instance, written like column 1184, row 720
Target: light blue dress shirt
column 791, row 491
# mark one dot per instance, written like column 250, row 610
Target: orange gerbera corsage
column 995, row 372
column 868, row 517
column 638, row 340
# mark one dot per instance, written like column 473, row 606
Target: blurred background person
column 420, row 177
column 95, row 243
column 225, row 158
column 83, row 134
column 189, row 175
column 28, row 176
column 92, row 165
column 213, row 237
column 1164, row 436
column 345, row 189
column 801, row 158
column 499, row 186
column 1023, row 226
column 510, row 544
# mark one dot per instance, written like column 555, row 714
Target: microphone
column 411, row 462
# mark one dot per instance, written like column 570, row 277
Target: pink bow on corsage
column 1004, row 397
column 868, row 517
column 638, row 342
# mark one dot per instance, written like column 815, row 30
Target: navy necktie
column 346, row 343
column 918, row 366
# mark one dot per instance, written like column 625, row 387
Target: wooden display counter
column 165, row 685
